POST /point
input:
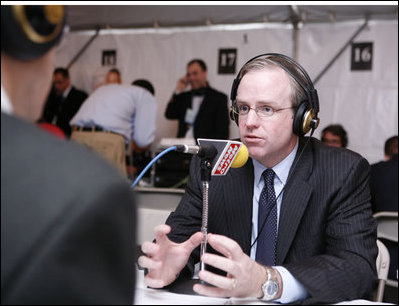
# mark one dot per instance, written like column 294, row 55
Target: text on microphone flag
column 226, row 159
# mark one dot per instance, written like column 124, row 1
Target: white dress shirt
column 195, row 106
column 128, row 110
column 292, row 289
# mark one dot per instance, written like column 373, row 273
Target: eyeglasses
column 262, row 111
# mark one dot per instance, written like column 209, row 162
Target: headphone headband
column 30, row 31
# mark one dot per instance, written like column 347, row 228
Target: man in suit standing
column 294, row 224
column 202, row 112
column 67, row 217
column 63, row 101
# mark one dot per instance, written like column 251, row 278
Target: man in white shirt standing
column 115, row 117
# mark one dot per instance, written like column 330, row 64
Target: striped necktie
column 267, row 221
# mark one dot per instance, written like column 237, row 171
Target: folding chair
column 387, row 228
column 382, row 264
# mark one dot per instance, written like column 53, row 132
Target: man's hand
column 165, row 259
column 182, row 84
column 244, row 275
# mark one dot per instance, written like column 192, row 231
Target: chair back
column 387, row 228
column 387, row 225
column 382, row 264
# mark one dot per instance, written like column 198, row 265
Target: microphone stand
column 206, row 154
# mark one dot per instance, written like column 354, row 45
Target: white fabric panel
column 366, row 103
column 162, row 57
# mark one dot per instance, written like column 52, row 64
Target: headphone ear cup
column 28, row 32
column 299, row 119
column 233, row 94
column 234, row 116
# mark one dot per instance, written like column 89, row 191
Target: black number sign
column 109, row 58
column 227, row 61
column 362, row 56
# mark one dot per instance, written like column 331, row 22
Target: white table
column 148, row 296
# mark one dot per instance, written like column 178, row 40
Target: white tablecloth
column 148, row 296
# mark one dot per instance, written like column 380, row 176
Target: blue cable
column 173, row 148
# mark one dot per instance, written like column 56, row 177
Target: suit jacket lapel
column 238, row 192
column 295, row 200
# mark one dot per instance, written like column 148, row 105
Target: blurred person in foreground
column 294, row 224
column 67, row 218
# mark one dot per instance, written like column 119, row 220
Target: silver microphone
column 187, row 149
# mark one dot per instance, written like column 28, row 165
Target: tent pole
column 295, row 35
column 88, row 43
column 295, row 19
column 340, row 52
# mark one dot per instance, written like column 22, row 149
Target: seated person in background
column 384, row 179
column 391, row 147
column 334, row 135
column 202, row 112
column 113, row 77
column 115, row 117
column 384, row 193
column 294, row 224
column 63, row 101
column 68, row 219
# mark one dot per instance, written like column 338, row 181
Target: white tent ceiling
column 89, row 17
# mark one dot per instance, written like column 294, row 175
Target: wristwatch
column 270, row 287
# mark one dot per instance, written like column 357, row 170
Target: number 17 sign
column 227, row 61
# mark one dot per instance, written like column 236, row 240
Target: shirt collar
column 282, row 169
column 66, row 92
column 6, row 106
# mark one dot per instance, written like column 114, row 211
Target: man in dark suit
column 384, row 179
column 321, row 247
column 63, row 101
column 384, row 193
column 67, row 217
column 202, row 112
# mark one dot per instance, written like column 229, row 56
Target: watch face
column 272, row 288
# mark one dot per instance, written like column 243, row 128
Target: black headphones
column 305, row 118
column 28, row 32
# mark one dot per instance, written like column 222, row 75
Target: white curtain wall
column 364, row 102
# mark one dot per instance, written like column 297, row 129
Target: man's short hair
column 338, row 130
column 391, row 146
column 199, row 62
column 63, row 71
column 144, row 84
column 115, row 70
